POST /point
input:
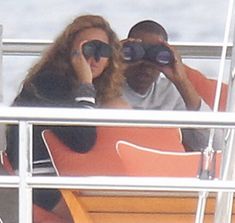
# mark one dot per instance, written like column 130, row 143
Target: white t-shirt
column 162, row 95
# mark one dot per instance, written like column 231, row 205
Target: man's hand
column 176, row 73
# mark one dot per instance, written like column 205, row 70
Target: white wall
column 2, row 127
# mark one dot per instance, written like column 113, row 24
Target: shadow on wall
column 9, row 205
column 2, row 137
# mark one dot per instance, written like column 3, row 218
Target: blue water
column 185, row 20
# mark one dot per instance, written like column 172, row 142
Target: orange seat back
column 103, row 159
column 142, row 161
column 206, row 88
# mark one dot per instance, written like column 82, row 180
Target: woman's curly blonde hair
column 57, row 58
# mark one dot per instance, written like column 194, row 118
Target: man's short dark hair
column 148, row 26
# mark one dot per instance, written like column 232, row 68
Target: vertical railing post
column 25, row 192
column 209, row 152
column 1, row 79
column 224, row 203
column 2, row 126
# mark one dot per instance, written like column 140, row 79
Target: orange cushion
column 103, row 159
column 206, row 88
column 41, row 215
column 142, row 161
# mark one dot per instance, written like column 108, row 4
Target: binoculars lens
column 163, row 57
column 135, row 51
column 88, row 49
column 96, row 49
column 160, row 54
column 132, row 51
column 127, row 53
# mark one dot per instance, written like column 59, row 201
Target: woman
column 81, row 69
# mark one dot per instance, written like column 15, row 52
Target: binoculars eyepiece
column 135, row 51
column 96, row 49
column 131, row 52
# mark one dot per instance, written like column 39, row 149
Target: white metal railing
column 119, row 183
column 25, row 181
column 1, row 91
column 14, row 47
column 120, row 117
column 2, row 127
column 224, row 204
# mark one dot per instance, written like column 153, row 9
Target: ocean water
column 185, row 21
column 194, row 20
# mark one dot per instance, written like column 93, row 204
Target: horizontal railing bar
column 15, row 47
column 122, row 183
column 202, row 50
column 132, row 183
column 117, row 117
column 9, row 181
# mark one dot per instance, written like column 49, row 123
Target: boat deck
column 124, row 199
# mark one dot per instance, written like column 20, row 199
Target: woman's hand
column 81, row 67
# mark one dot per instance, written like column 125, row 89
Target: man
column 153, row 83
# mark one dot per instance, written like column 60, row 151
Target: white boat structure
column 133, row 198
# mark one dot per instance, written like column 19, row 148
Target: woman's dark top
column 49, row 90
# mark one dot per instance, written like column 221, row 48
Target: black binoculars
column 96, row 49
column 135, row 51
